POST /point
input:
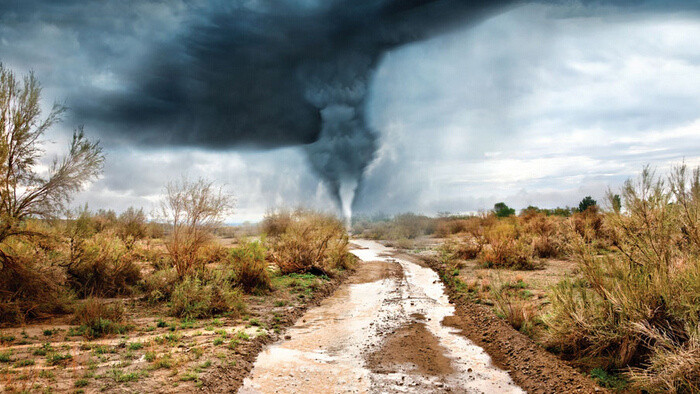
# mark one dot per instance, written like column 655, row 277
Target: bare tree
column 193, row 209
column 24, row 193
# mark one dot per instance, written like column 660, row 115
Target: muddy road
column 381, row 331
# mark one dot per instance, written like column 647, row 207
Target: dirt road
column 382, row 331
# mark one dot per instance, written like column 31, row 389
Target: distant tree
column 586, row 203
column 502, row 210
column 25, row 193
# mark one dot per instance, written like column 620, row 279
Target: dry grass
column 97, row 318
column 638, row 306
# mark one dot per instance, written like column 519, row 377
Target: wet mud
column 381, row 331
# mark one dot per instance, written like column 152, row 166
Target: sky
column 532, row 103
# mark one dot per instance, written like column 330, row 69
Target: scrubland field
column 107, row 302
column 614, row 291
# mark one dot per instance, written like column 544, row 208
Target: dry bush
column 670, row 369
column 193, row 210
column 160, row 284
column 204, row 295
column 589, row 224
column 31, row 283
column 402, row 226
column 639, row 307
column 516, row 312
column 466, row 248
column 250, row 267
column 445, row 227
column 312, row 242
column 132, row 226
column 212, row 253
column 402, row 243
column 102, row 266
column 548, row 234
column 97, row 318
column 505, row 249
column 275, row 223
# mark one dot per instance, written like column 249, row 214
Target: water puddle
column 380, row 332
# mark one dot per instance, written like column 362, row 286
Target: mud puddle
column 382, row 332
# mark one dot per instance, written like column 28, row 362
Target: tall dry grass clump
column 312, row 242
column 639, row 308
column 97, row 318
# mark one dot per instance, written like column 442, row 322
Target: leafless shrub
column 193, row 210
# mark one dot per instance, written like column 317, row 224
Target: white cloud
column 533, row 109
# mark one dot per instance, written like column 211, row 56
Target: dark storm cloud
column 260, row 72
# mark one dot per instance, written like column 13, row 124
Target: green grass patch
column 24, row 363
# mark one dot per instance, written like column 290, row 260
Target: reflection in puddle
column 332, row 345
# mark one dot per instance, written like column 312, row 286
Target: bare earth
column 381, row 331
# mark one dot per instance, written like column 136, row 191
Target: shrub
column 32, row 285
column 640, row 308
column 205, row 295
column 212, row 253
column 102, row 265
column 313, row 242
column 97, row 318
column 505, row 249
column 160, row 284
column 448, row 226
column 250, row 267
column 132, row 226
column 466, row 248
column 548, row 235
column 275, row 223
column 193, row 210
